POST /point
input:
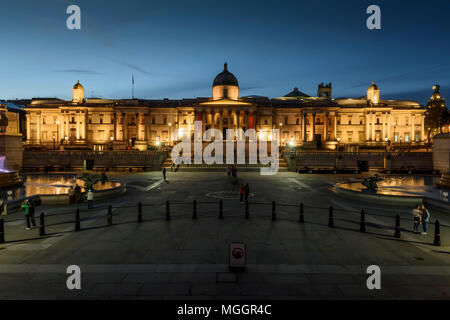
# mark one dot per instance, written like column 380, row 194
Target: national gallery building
column 312, row 122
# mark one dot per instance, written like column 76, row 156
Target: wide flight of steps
column 283, row 166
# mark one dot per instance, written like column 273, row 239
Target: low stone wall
column 422, row 161
column 11, row 147
column 111, row 160
column 441, row 152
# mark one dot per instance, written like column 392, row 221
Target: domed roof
column 225, row 78
column 373, row 86
column 78, row 85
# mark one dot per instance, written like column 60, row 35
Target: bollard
column 42, row 227
column 362, row 228
column 247, row 213
column 194, row 212
column 109, row 215
column 139, row 212
column 2, row 230
column 220, row 209
column 437, row 233
column 330, row 217
column 167, row 211
column 301, row 218
column 77, row 220
column 273, row 211
column 397, row 226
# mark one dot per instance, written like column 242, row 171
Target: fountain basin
column 53, row 189
column 405, row 190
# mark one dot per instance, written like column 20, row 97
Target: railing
column 147, row 213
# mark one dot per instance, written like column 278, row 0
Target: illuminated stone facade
column 312, row 122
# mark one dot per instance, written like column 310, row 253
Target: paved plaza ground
column 188, row 259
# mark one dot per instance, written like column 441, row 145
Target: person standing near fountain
column 90, row 199
column 416, row 218
column 425, row 218
column 26, row 207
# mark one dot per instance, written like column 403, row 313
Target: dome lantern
column 78, row 93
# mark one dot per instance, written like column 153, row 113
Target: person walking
column 241, row 193
column 416, row 219
column 26, row 208
column 425, row 218
column 164, row 173
column 228, row 171
column 90, row 199
column 247, row 191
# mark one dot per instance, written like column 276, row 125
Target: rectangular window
column 153, row 121
column 350, row 136
column 406, row 137
column 349, row 119
column 361, row 136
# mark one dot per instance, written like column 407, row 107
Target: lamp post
column 57, row 131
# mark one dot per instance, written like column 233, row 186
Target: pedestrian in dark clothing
column 228, row 171
column 164, row 173
column 247, row 191
column 77, row 193
column 241, row 193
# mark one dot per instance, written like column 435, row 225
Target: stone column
column 374, row 116
column 335, row 127
column 413, row 119
column 28, row 118
column 422, row 134
column 39, row 119
column 305, row 138
column 314, row 127
column 367, row 126
column 325, row 127
column 115, row 125
column 125, row 127
column 213, row 119
column 138, row 126
column 78, row 125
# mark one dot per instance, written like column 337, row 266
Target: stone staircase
column 283, row 166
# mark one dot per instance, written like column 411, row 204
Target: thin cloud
column 134, row 67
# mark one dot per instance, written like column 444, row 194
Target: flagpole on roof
column 132, row 86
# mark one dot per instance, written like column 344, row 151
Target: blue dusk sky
column 175, row 48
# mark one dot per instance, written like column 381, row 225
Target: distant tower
column 324, row 91
column 373, row 93
column 78, row 93
column 437, row 95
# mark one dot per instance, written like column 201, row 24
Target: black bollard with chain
column 167, row 210
column 139, row 212
column 2, row 230
column 274, row 214
column 397, row 226
column 301, row 218
column 42, row 227
column 247, row 213
column 362, row 228
column 220, row 209
column 77, row 220
column 330, row 217
column 437, row 233
column 194, row 210
column 109, row 215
